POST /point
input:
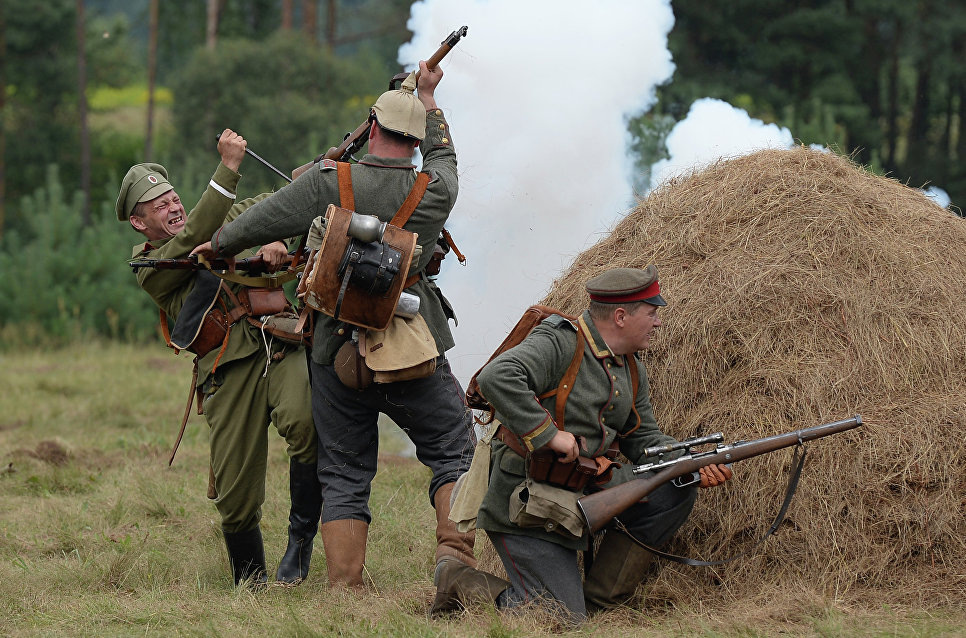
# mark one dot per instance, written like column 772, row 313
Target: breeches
column 431, row 411
column 539, row 570
column 239, row 405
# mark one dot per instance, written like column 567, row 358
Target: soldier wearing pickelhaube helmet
column 607, row 410
column 430, row 409
column 246, row 381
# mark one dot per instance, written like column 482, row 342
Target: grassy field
column 101, row 538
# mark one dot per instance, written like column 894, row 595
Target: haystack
column 803, row 289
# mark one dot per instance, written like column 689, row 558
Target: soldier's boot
column 303, row 522
column 247, row 557
column 344, row 542
column 458, row 586
column 618, row 569
column 450, row 542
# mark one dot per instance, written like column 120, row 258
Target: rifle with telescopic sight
column 601, row 507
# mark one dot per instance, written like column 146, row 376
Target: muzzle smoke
column 537, row 95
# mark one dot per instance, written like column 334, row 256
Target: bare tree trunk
column 85, row 139
column 211, row 32
column 152, row 72
column 287, row 15
column 309, row 19
column 330, row 30
column 3, row 121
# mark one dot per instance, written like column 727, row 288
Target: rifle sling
column 798, row 462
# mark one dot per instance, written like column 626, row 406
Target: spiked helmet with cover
column 400, row 111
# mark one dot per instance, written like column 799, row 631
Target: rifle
column 355, row 140
column 252, row 265
column 599, row 508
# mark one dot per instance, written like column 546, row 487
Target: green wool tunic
column 599, row 409
column 380, row 186
column 244, row 395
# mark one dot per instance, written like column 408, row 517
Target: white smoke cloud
column 537, row 96
column 938, row 195
column 714, row 129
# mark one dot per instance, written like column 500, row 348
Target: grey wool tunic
column 600, row 409
column 380, row 185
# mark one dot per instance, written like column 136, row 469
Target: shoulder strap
column 412, row 200
column 347, row 199
column 562, row 391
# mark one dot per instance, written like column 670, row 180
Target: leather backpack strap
column 412, row 201
column 347, row 198
column 562, row 391
column 165, row 331
column 187, row 409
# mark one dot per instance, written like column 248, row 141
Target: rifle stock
column 599, row 508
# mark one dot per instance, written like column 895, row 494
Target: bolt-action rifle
column 251, row 265
column 355, row 140
column 599, row 508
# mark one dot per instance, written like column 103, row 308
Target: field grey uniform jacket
column 599, row 409
column 380, row 186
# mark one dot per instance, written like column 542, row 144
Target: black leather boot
column 247, row 556
column 303, row 522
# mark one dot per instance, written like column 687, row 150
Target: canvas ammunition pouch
column 540, row 505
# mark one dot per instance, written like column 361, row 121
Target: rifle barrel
column 599, row 508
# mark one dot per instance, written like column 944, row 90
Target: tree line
column 90, row 87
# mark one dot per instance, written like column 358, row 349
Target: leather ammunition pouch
column 263, row 301
column 544, row 466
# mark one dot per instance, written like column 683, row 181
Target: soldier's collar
column 596, row 342
column 387, row 162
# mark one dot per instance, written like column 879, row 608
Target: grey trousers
column 431, row 411
column 548, row 573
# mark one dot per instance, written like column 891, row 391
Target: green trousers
column 241, row 400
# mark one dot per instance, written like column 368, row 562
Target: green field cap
column 142, row 183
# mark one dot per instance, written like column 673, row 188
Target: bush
column 63, row 281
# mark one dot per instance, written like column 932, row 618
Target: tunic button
column 549, row 526
column 613, row 377
column 340, row 331
column 617, row 393
column 442, row 127
column 444, row 141
column 438, row 112
column 611, row 408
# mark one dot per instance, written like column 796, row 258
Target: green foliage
column 63, row 281
column 290, row 100
column 108, row 98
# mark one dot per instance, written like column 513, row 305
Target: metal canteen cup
column 366, row 228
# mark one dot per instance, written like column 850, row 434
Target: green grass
column 99, row 537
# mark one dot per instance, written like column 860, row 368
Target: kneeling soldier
column 608, row 410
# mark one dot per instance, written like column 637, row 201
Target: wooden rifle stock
column 357, row 138
column 599, row 508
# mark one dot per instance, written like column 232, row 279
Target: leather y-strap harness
column 562, row 392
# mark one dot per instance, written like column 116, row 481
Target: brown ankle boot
column 618, row 569
column 450, row 541
column 344, row 542
column 459, row 585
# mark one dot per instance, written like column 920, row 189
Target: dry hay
column 803, row 289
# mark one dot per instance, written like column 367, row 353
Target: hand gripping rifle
column 599, row 508
column 356, row 139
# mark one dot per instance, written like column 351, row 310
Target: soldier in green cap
column 431, row 410
column 607, row 410
column 246, row 379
